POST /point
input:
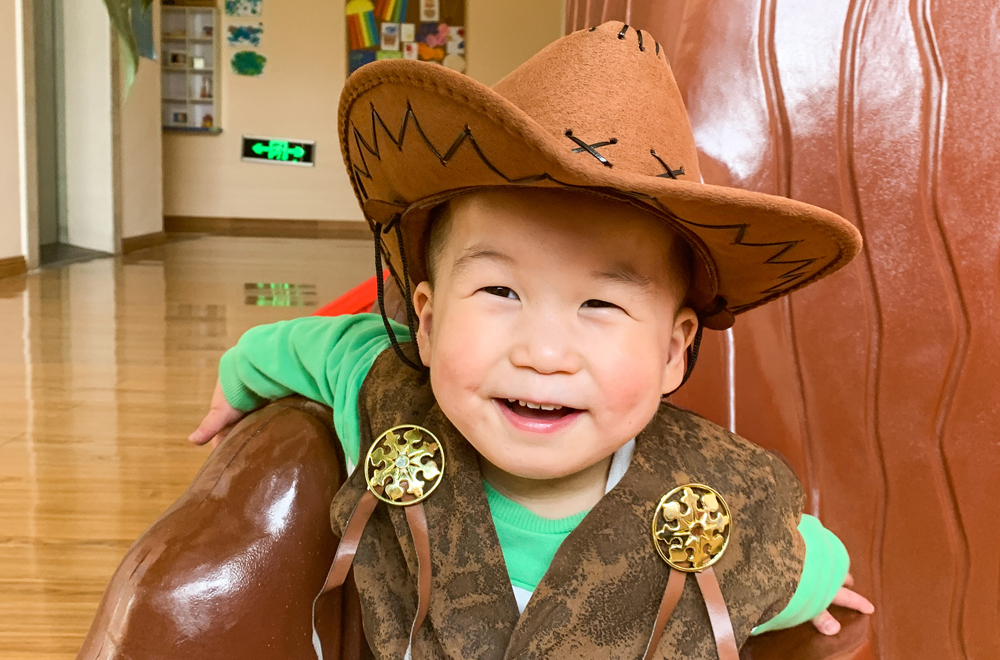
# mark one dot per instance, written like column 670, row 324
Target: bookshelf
column 189, row 65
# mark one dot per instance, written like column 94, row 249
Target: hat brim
column 413, row 134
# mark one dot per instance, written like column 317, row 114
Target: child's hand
column 826, row 624
column 219, row 421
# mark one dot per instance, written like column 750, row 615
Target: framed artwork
column 177, row 59
column 179, row 117
column 427, row 30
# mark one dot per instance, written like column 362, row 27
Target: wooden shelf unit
column 190, row 95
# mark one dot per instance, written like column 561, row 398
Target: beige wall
column 504, row 33
column 10, row 122
column 297, row 98
column 141, row 151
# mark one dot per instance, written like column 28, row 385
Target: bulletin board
column 426, row 30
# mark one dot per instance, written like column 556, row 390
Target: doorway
column 66, row 234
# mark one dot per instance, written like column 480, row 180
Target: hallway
column 105, row 367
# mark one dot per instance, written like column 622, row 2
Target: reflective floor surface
column 105, row 367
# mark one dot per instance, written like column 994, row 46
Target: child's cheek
column 630, row 393
column 461, row 355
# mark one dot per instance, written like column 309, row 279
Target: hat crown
column 609, row 88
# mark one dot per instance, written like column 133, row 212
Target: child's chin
column 540, row 470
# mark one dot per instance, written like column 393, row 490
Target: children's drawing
column 430, row 10
column 358, row 58
column 434, row 35
column 243, row 7
column 390, row 36
column 429, row 54
column 248, row 63
column 391, row 11
column 245, row 35
column 362, row 30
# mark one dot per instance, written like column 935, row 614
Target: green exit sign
column 278, row 150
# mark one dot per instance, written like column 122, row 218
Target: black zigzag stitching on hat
column 785, row 246
column 463, row 137
column 787, row 278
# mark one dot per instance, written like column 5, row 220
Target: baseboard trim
column 143, row 241
column 11, row 266
column 267, row 227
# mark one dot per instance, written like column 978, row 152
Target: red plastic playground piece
column 356, row 301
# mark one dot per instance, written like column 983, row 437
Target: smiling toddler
column 559, row 257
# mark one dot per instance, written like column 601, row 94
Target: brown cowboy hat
column 597, row 110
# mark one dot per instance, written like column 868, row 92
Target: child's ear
column 423, row 299
column 681, row 336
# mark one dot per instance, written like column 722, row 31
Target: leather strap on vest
column 718, row 614
column 417, row 521
column 672, row 594
column 349, row 543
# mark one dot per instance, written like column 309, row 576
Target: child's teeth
column 535, row 406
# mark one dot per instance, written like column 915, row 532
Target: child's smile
column 535, row 417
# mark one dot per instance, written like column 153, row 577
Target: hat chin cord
column 407, row 297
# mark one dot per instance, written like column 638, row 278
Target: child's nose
column 545, row 344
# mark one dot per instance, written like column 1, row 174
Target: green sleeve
column 325, row 359
column 823, row 574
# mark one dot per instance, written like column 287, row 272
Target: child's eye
column 599, row 304
column 501, row 291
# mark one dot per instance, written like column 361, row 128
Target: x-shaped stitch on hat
column 591, row 148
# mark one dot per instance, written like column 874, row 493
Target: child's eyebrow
column 623, row 275
column 478, row 252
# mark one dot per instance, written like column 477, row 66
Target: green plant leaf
column 120, row 13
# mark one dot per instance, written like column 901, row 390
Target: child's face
column 550, row 298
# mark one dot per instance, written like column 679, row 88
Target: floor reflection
column 105, row 367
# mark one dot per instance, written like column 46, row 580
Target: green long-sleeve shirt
column 328, row 358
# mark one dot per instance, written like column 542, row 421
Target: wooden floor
column 105, row 367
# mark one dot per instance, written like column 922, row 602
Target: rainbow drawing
column 391, row 11
column 399, row 15
column 361, row 27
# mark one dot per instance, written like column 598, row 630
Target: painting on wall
column 245, row 35
column 244, row 7
column 427, row 30
column 248, row 63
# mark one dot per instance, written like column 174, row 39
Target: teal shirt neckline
column 528, row 541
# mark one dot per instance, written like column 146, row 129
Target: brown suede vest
column 600, row 596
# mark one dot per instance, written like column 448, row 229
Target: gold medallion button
column 404, row 465
column 691, row 527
